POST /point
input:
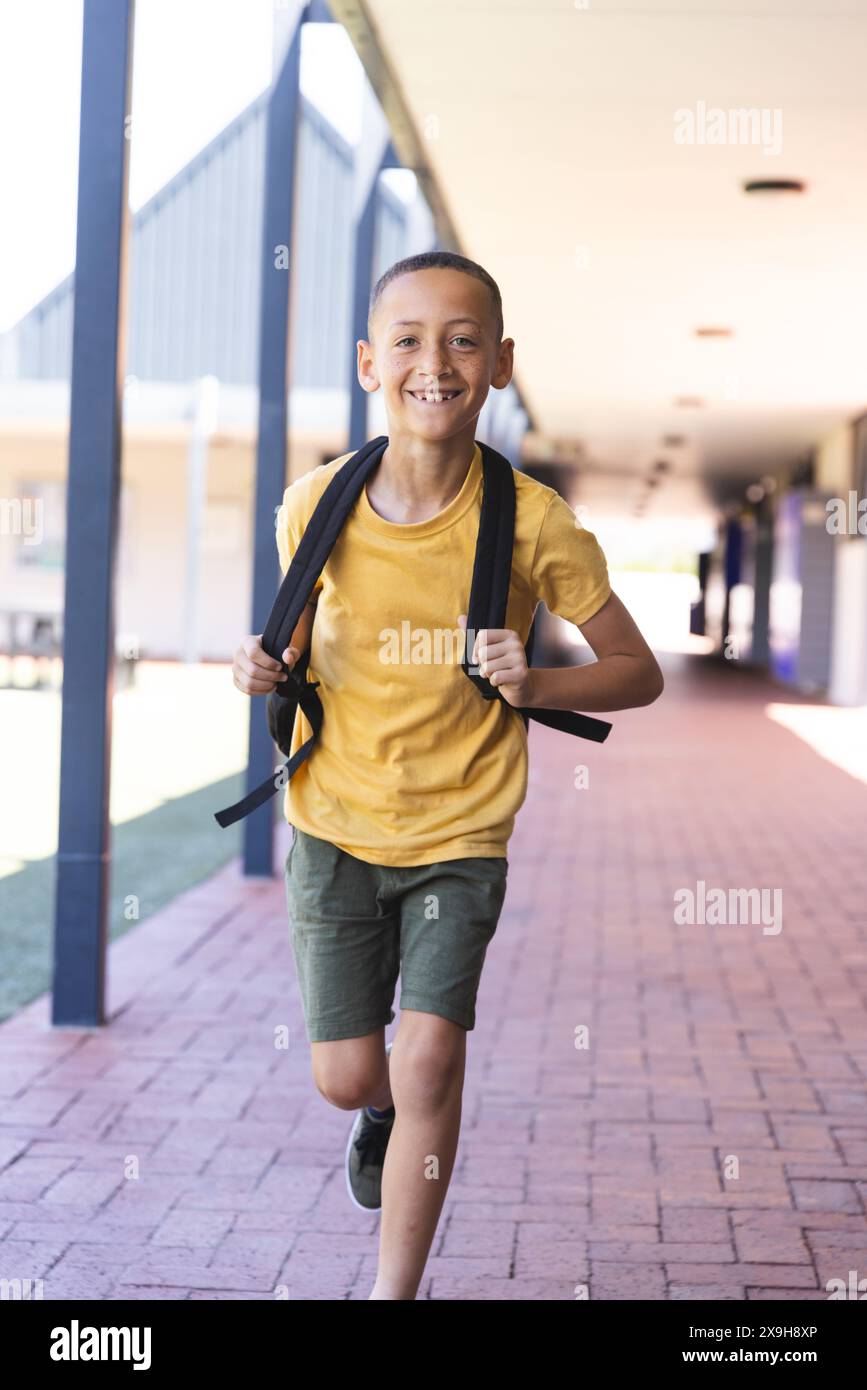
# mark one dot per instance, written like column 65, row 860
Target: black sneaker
column 365, row 1157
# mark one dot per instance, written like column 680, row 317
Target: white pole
column 204, row 423
column 848, row 683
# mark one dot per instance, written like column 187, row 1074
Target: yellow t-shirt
column 413, row 765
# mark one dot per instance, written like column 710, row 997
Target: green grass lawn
column 155, row 856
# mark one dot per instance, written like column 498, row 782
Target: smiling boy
column 404, row 811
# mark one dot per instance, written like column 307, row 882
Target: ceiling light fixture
column 774, row 186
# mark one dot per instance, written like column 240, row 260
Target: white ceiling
column 550, row 131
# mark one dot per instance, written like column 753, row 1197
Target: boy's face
column 435, row 323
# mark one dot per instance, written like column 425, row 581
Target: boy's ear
column 505, row 364
column 366, row 366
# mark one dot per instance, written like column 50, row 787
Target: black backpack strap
column 492, row 568
column 312, row 707
column 316, row 544
column 320, row 537
column 489, row 594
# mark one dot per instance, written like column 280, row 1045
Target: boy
column 404, row 810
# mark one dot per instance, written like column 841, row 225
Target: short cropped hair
column 438, row 260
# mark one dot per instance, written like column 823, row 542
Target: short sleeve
column 569, row 570
column 290, row 528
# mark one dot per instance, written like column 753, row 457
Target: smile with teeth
column 434, row 395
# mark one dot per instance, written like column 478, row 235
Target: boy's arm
column 624, row 676
column 626, row 673
column 570, row 574
column 304, row 627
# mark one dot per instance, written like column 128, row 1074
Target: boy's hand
column 499, row 654
column 254, row 672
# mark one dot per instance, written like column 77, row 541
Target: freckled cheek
column 473, row 382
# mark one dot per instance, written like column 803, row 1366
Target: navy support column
column 93, row 486
column 373, row 154
column 272, row 446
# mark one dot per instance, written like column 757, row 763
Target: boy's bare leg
column 353, row 1071
column 381, row 1099
column 428, row 1059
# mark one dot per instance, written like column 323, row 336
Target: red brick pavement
column 709, row 1142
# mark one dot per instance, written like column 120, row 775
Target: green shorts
column 356, row 926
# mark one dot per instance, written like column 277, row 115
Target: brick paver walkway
column 710, row 1141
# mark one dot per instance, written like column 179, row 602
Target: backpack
column 489, row 594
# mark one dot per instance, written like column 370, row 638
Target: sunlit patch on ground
column 176, row 729
column 838, row 735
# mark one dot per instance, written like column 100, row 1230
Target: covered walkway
column 710, row 1141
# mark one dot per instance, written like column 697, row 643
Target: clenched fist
column 254, row 672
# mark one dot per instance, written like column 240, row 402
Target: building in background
column 191, row 392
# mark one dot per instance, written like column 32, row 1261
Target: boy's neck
column 417, row 478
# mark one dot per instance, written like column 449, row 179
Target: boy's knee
column 348, row 1090
column 425, row 1072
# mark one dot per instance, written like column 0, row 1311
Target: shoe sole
column 353, row 1199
